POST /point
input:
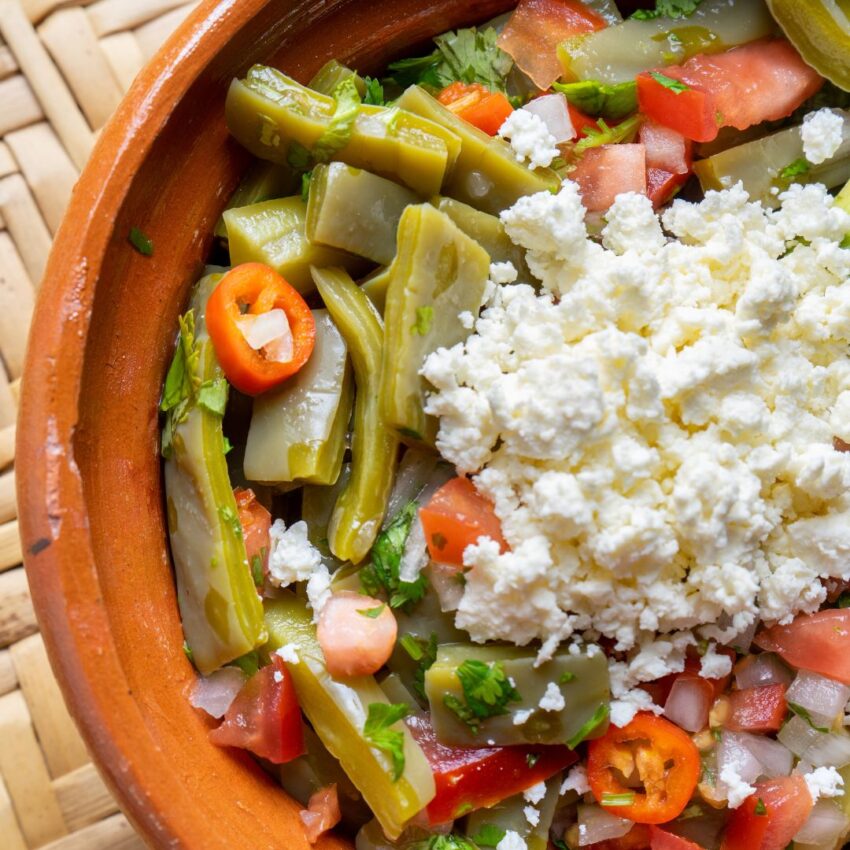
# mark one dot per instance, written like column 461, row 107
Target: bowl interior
column 93, row 523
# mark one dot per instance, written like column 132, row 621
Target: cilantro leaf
column 338, row 132
column 489, row 835
column 306, row 177
column 420, row 70
column 212, row 396
column 249, row 663
column 605, row 135
column 180, row 379
column 611, row 101
column 229, row 515
column 424, row 317
column 257, row 569
column 668, row 9
column 486, row 692
column 795, row 169
column 802, row 712
column 382, row 574
column 424, row 652
column 760, row 808
column 141, row 242
column 374, row 92
column 625, row 799
column 448, row 842
column 377, row 731
column 372, row 613
column 675, row 86
column 596, row 720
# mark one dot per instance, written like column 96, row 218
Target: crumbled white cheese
column 466, row 319
column 553, row 699
column 736, row 789
column 319, row 590
column 512, row 841
column 535, row 793
column 278, row 676
column 654, row 427
column 576, row 780
column 522, row 716
column 294, row 558
column 530, row 138
column 532, row 815
column 822, row 133
column 503, row 272
column 713, row 664
column 824, row 782
column 289, row 653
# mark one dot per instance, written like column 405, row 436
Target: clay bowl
column 91, row 503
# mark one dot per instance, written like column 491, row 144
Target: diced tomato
column 610, row 170
column 689, row 112
column 664, row 757
column 469, row 778
column 759, row 709
column 456, row 517
column 661, row 186
column 637, row 838
column 322, row 813
column 785, row 804
column 477, row 105
column 760, row 81
column 255, row 521
column 581, row 122
column 534, row 31
column 265, row 717
column 660, row 839
column 817, row 642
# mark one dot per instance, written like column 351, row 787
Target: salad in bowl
column 506, row 441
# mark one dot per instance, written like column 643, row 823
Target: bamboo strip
column 8, row 677
column 8, row 405
column 152, row 35
column 17, row 617
column 8, row 65
column 108, row 16
column 124, row 56
column 47, row 169
column 114, row 833
column 25, row 224
column 9, row 827
column 48, row 85
column 63, row 748
column 8, row 503
column 37, row 10
column 71, row 41
column 25, row 773
column 7, row 445
column 7, row 161
column 16, row 305
column 10, row 545
column 83, row 797
column 20, row 106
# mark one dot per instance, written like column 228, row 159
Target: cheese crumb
column 532, row 815
column 553, row 699
column 530, row 138
column 824, row 782
column 736, row 789
column 576, row 780
column 823, row 133
column 294, row 558
column 512, row 841
column 289, row 653
column 535, row 793
column 714, row 665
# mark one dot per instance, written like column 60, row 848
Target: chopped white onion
column 826, row 824
column 417, row 472
column 215, row 693
column 797, row 735
column 414, row 558
column 444, row 580
column 831, row 749
column 595, row 824
column 689, row 703
column 733, row 752
column 775, row 758
column 552, row 108
column 268, row 332
column 766, row 668
column 823, row 698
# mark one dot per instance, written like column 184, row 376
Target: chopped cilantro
column 227, row 446
column 559, row 844
column 844, row 600
column 566, row 677
column 377, row 731
column 257, row 567
column 676, row 86
column 212, row 396
column 374, row 92
column 249, row 663
column 626, row 799
column 381, row 575
column 598, row 717
column 425, row 653
column 531, row 759
column 611, row 101
column 794, row 169
column 668, row 9
column 439, row 540
column 306, row 177
column 188, row 652
column 448, row 842
column 338, row 132
column 141, row 242
column 424, row 317
column 372, row 613
column 486, row 692
column 230, row 516
column 180, row 380
column 760, row 808
column 717, row 734
column 603, row 134
column 488, row 836
column 802, row 712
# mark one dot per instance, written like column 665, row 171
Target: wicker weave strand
column 63, row 68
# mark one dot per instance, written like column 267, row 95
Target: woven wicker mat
column 63, row 69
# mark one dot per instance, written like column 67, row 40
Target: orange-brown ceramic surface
column 89, row 481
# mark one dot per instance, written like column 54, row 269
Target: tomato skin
column 689, row 112
column 456, row 517
column 255, row 521
column 661, row 186
column 667, row 744
column 760, row 709
column 660, row 839
column 787, row 803
column 265, row 717
column 817, row 642
column 263, row 289
column 479, row 777
column 637, row 838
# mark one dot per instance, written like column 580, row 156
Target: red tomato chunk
column 660, row 839
column 757, row 709
column 608, row 171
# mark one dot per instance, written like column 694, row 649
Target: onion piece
column 775, row 758
column 733, row 752
column 414, row 558
column 826, row 824
column 215, row 693
column 689, row 703
column 445, row 579
column 823, row 698
column 766, row 668
column 595, row 824
column 268, row 332
column 552, row 109
column 798, row 736
column 829, row 750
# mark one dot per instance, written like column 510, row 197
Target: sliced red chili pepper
column 656, row 752
column 261, row 289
